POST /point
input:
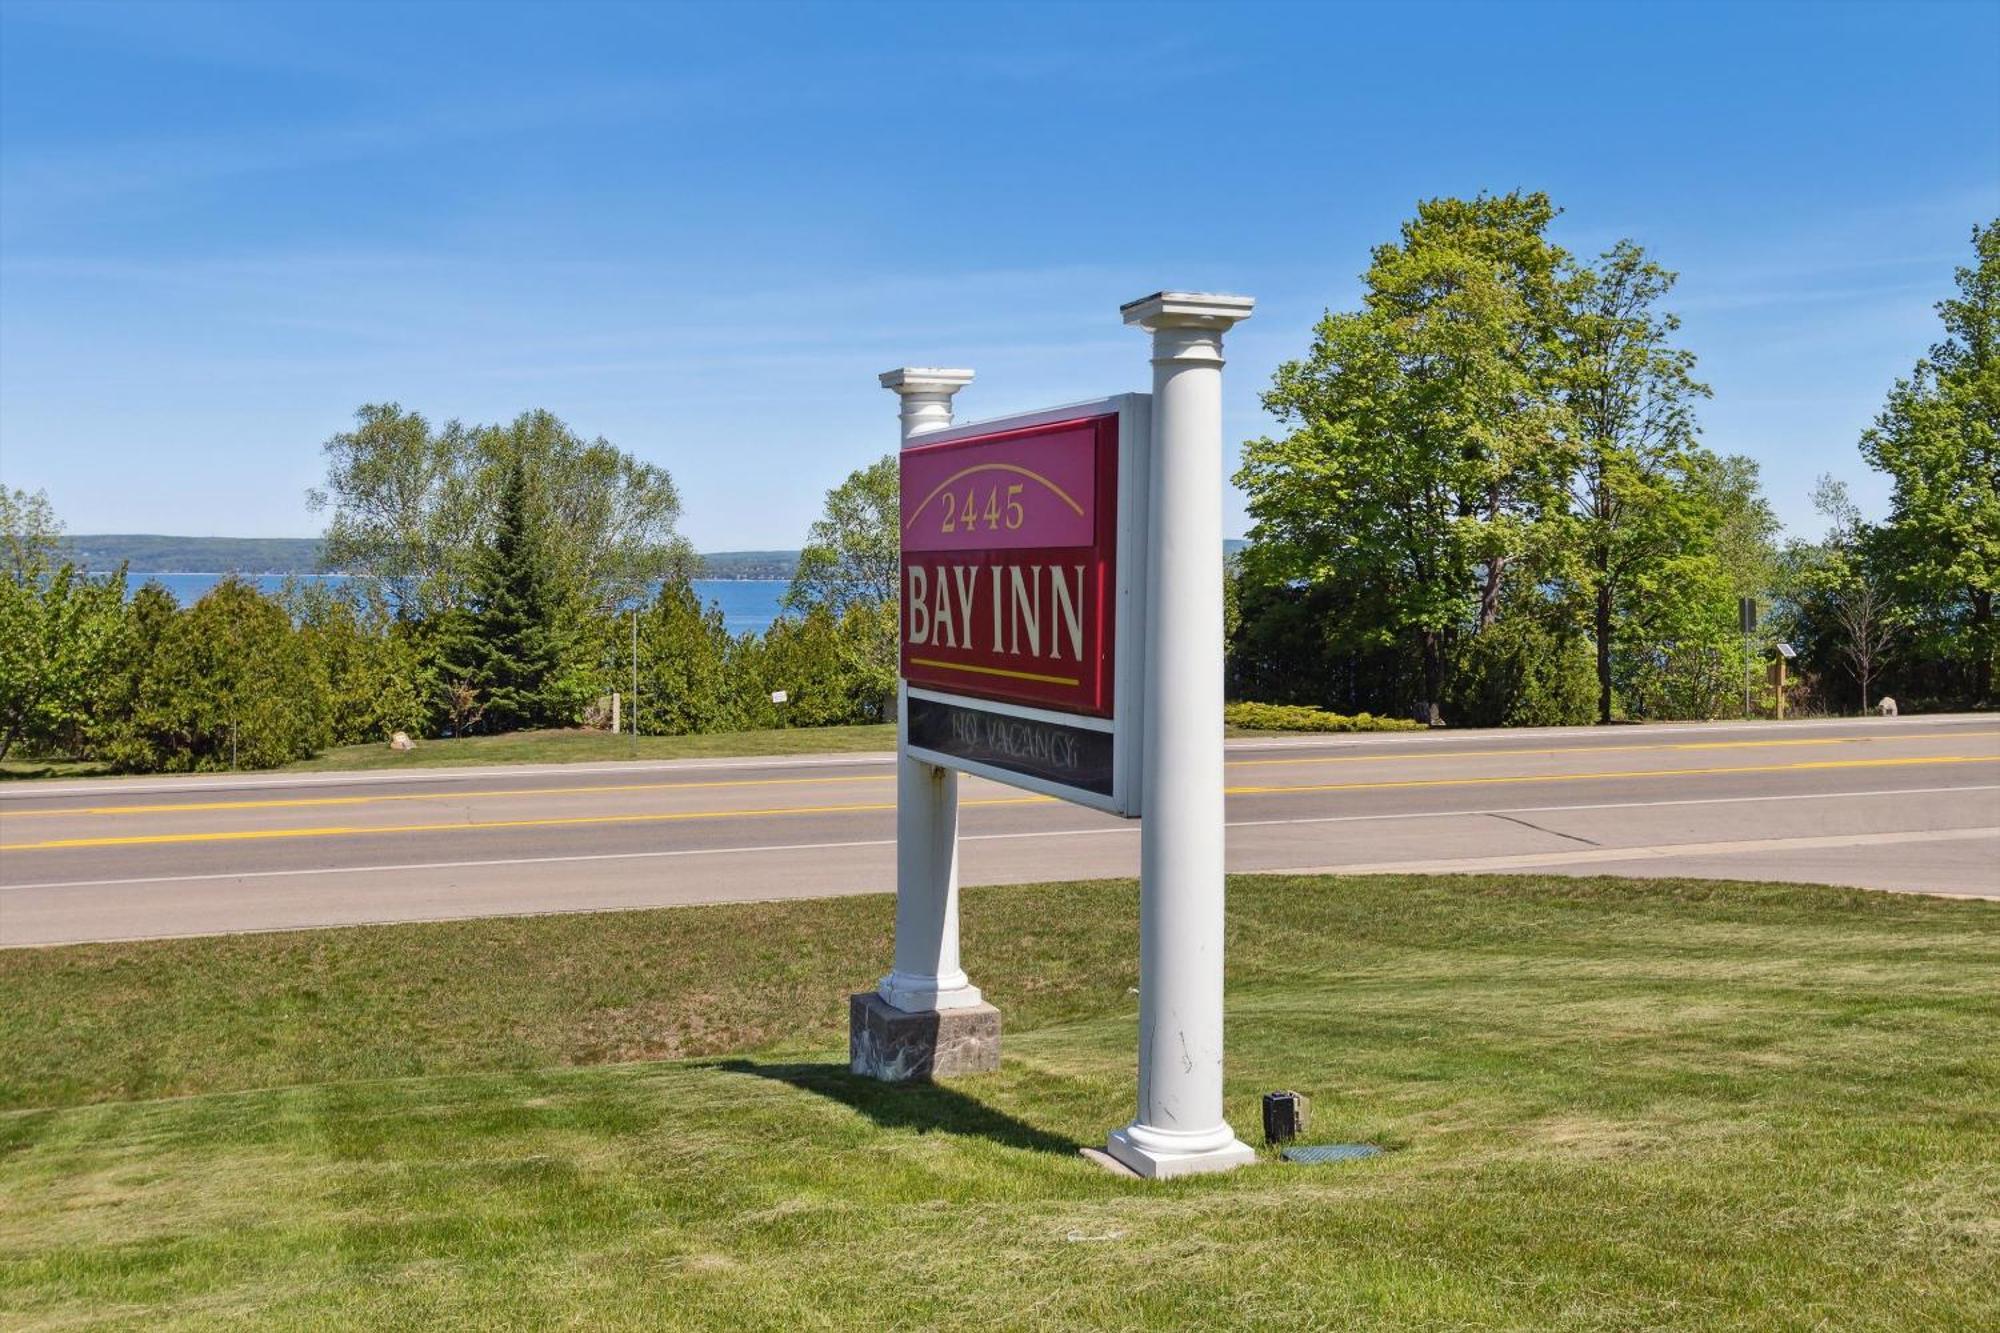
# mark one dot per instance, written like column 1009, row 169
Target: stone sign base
column 886, row 1043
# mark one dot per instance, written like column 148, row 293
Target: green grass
column 11, row 769
column 1611, row 1104
column 571, row 747
column 538, row 747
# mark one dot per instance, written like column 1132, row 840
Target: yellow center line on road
column 363, row 830
column 1535, row 752
column 306, row 802
column 1618, row 774
column 289, row 802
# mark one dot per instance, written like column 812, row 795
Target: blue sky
column 700, row 232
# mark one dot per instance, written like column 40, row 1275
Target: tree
column 1426, row 444
column 1630, row 396
column 57, row 629
column 851, row 566
column 1679, row 648
column 515, row 654
column 228, row 682
column 1528, row 670
column 377, row 682
column 684, row 670
column 853, row 550
column 1838, row 607
column 406, row 508
column 412, row 508
column 1938, row 438
column 812, row 658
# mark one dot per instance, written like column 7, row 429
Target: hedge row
column 1298, row 717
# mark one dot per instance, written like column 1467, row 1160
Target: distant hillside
column 148, row 553
column 749, row 564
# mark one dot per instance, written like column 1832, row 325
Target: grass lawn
column 51, row 768
column 570, row 747
column 1611, row 1104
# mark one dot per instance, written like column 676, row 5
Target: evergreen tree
column 514, row 655
column 684, row 676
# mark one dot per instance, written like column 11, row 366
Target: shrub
column 1518, row 673
column 1299, row 717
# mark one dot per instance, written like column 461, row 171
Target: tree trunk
column 1982, row 627
column 1489, row 596
column 1496, row 567
column 1433, row 650
column 1603, row 646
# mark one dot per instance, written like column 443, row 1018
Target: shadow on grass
column 923, row 1107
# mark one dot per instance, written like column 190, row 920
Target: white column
column 927, row 974
column 1180, row 1126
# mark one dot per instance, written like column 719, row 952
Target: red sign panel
column 1010, row 575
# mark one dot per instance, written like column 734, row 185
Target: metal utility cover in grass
column 1312, row 1154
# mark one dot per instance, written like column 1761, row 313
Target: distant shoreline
column 298, row 557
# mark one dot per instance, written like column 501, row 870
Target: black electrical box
column 1284, row 1116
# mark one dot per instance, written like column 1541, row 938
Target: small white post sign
column 1062, row 632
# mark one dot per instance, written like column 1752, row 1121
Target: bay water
column 748, row 605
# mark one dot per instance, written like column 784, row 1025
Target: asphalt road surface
column 1910, row 803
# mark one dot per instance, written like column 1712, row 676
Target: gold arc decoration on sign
column 946, row 485
column 995, row 671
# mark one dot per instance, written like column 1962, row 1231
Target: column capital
column 925, row 379
column 926, row 393
column 1211, row 311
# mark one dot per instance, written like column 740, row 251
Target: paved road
column 1911, row 803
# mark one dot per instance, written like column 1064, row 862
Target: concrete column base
column 1156, row 1163
column 892, row 1045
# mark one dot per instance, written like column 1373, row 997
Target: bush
column 1299, row 717
column 226, row 682
column 1518, row 673
column 1692, row 681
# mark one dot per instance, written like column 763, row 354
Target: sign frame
column 1126, row 725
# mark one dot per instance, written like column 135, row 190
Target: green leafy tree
column 58, row 627
column 412, row 507
column 853, row 551
column 1938, row 438
column 1680, row 652
column 132, row 659
column 1634, row 499
column 812, row 659
column 1426, row 442
column 850, row 567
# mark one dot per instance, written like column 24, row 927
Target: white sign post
column 1180, row 1127
column 926, row 1018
